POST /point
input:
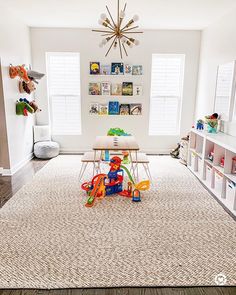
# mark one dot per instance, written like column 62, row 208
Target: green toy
column 22, row 108
column 117, row 132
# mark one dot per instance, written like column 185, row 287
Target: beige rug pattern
column 177, row 236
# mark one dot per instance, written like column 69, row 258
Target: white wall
column 218, row 47
column 84, row 41
column 15, row 49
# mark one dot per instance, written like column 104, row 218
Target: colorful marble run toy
column 112, row 183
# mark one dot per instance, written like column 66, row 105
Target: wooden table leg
column 132, row 165
column 94, row 162
column 136, row 155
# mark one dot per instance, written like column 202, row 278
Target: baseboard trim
column 13, row 170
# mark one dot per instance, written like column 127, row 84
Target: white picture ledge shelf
column 219, row 180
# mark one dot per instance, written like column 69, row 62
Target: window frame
column 50, row 103
column 179, row 98
column 232, row 103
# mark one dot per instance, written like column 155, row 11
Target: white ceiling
column 154, row 14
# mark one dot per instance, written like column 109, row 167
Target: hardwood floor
column 10, row 185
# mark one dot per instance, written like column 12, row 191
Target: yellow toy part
column 143, row 185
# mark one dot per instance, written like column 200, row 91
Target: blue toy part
column 136, row 196
column 200, row 126
column 107, row 155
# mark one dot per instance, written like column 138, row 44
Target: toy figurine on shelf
column 234, row 165
column 200, row 124
column 212, row 123
column 211, row 156
column 136, row 196
column 222, row 162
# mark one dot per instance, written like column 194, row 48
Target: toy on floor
column 136, row 196
column 112, row 183
column 117, row 132
column 200, row 124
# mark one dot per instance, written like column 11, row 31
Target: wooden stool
column 87, row 158
column 141, row 159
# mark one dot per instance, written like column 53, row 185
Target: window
column 224, row 84
column 166, row 94
column 63, row 72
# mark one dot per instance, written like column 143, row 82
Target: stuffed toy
column 34, row 76
column 34, row 105
column 19, row 71
column 22, row 108
column 26, row 87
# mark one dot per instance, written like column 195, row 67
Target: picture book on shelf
column 127, row 88
column 117, row 68
column 94, row 68
column 128, row 69
column 116, row 89
column 94, row 108
column 137, row 90
column 106, row 88
column 137, row 70
column 124, row 109
column 94, row 89
column 105, row 70
column 113, row 108
column 135, row 109
column 103, row 109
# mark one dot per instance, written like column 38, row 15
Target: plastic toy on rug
column 117, row 132
column 112, row 183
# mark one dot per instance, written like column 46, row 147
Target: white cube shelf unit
column 219, row 180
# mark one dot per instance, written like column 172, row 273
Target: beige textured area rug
column 177, row 236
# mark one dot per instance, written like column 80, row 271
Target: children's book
column 106, row 88
column 137, row 90
column 117, row 89
column 137, row 70
column 135, row 109
column 94, row 108
column 113, row 108
column 94, row 68
column 128, row 69
column 94, row 89
column 124, row 109
column 117, row 68
column 103, row 109
column 127, row 88
column 105, row 70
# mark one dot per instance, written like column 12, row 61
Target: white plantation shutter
column 63, row 71
column 224, row 89
column 166, row 93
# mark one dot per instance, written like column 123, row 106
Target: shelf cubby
column 218, row 178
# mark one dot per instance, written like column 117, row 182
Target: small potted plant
column 212, row 123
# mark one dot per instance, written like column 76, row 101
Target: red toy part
column 86, row 186
column 125, row 193
column 115, row 163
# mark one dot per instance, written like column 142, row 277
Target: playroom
column 118, row 147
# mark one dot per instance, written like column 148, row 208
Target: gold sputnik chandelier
column 117, row 35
